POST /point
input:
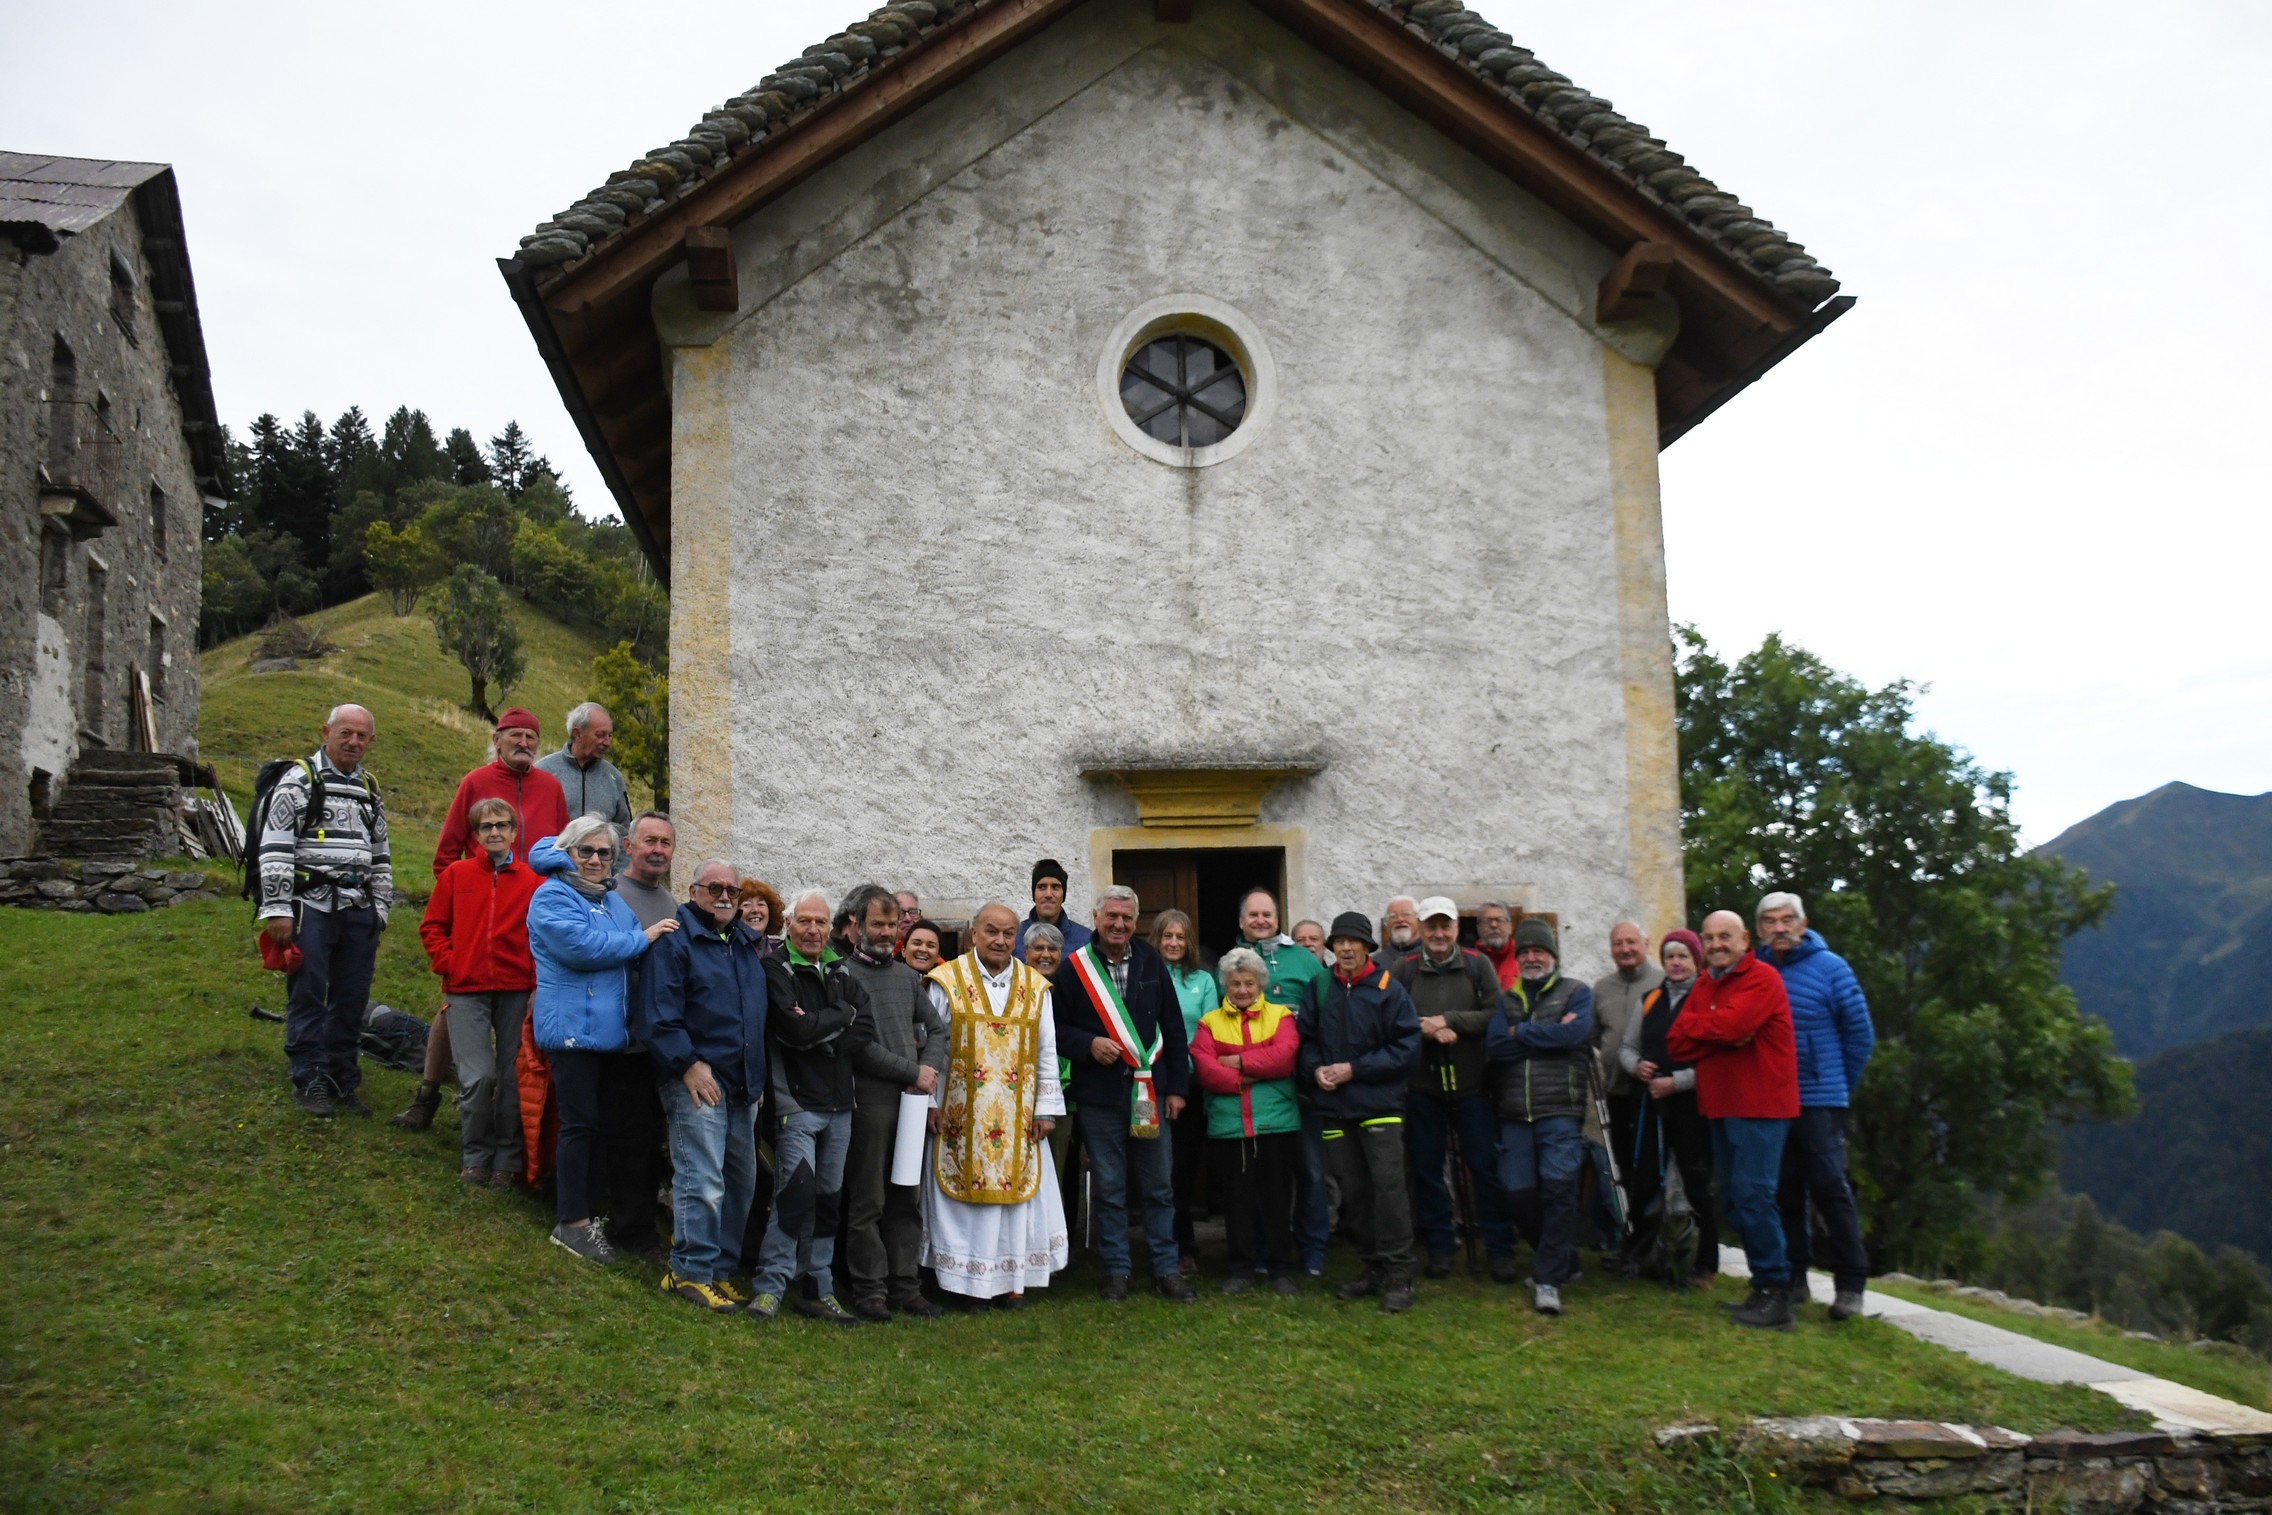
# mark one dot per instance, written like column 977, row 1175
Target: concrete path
column 2173, row 1406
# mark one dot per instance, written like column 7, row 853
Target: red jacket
column 1736, row 1030
column 1265, row 1040
column 535, row 795
column 1503, row 962
column 476, row 927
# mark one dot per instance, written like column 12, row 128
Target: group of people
column 924, row 1113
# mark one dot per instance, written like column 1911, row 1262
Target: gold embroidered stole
column 984, row 1154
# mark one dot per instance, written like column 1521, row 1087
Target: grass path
column 209, row 1303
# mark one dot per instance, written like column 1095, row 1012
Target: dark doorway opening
column 1205, row 883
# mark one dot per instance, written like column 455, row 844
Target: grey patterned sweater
column 347, row 850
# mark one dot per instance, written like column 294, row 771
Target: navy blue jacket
column 1153, row 1005
column 702, row 997
column 1372, row 1026
column 1540, row 1065
column 1829, row 1018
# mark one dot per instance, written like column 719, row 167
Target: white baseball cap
column 1438, row 904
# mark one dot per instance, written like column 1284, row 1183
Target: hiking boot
column 1285, row 1285
column 1439, row 1265
column 1171, row 1286
column 872, row 1309
column 764, row 1307
column 696, row 1292
column 1503, row 1270
column 1396, row 1294
column 1546, row 1299
column 825, row 1308
column 315, row 1098
column 474, row 1177
column 1768, row 1309
column 420, row 1114
column 735, row 1293
column 1364, row 1286
column 350, row 1102
column 1238, row 1283
column 1114, row 1288
column 1846, row 1304
column 587, row 1239
column 922, row 1307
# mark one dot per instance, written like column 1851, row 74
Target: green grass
column 2231, row 1374
column 208, row 1302
column 427, row 738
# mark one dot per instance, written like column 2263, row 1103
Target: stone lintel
column 1179, row 798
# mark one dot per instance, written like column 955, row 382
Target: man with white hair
column 592, row 784
column 994, row 1221
column 1121, row 1025
column 326, row 883
column 1830, row 1018
column 814, row 1042
column 1400, row 932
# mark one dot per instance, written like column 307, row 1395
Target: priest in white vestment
column 993, row 1220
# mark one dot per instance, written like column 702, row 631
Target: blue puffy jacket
column 1830, row 1019
column 583, row 951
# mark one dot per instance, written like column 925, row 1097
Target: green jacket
column 1297, row 978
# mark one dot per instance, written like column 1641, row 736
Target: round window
column 1183, row 391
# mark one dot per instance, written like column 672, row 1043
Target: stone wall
column 939, row 584
column 2077, row 1471
column 119, row 436
column 113, row 888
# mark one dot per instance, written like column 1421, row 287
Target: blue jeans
column 1118, row 1163
column 713, row 1179
column 1313, row 1222
column 1748, row 1152
column 1545, row 1156
column 808, row 1191
column 325, row 1000
column 1814, row 1172
column 1429, row 1121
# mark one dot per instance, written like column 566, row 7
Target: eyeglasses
column 717, row 891
column 494, row 826
column 591, row 852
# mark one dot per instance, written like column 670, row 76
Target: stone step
column 119, row 797
column 85, row 839
column 102, row 765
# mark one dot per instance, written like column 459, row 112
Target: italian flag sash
column 1096, row 978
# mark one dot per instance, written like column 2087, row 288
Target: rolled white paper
column 907, row 1150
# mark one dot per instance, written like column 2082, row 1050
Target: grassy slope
column 207, row 1302
column 427, row 739
column 2230, row 1374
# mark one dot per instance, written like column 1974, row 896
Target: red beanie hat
column 518, row 718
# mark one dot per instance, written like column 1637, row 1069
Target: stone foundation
column 114, row 888
column 2090, row 1474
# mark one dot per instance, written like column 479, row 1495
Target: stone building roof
column 855, row 57
column 45, row 200
column 1747, row 294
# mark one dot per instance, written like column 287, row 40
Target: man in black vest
column 884, row 1220
column 1121, row 1027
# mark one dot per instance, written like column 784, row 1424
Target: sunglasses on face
column 590, row 852
column 717, row 891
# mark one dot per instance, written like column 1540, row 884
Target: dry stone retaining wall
column 2082, row 1472
column 113, row 888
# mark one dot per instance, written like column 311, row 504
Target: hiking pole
column 1608, row 1145
column 1463, row 1193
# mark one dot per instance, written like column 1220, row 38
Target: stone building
column 1205, row 441
column 111, row 448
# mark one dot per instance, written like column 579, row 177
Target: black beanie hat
column 1352, row 924
column 1536, row 933
column 1048, row 867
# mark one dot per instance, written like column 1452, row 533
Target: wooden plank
column 710, row 266
column 1635, row 285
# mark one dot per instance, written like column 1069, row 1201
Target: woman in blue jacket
column 584, row 939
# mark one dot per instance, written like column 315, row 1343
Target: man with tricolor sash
column 1121, row 1027
column 994, row 1221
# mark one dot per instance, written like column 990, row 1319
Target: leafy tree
column 467, row 465
column 249, row 577
column 402, row 563
column 638, row 696
column 469, row 524
column 473, row 620
column 1794, row 776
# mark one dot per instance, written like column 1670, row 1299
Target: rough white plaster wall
column 953, row 585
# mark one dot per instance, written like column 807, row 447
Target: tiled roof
column 844, row 62
column 65, row 196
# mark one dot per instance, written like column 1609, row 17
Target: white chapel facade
column 1208, row 444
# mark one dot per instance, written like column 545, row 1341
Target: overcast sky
column 2019, row 471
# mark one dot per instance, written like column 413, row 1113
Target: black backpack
column 256, row 820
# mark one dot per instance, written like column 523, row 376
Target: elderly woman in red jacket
column 476, row 932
